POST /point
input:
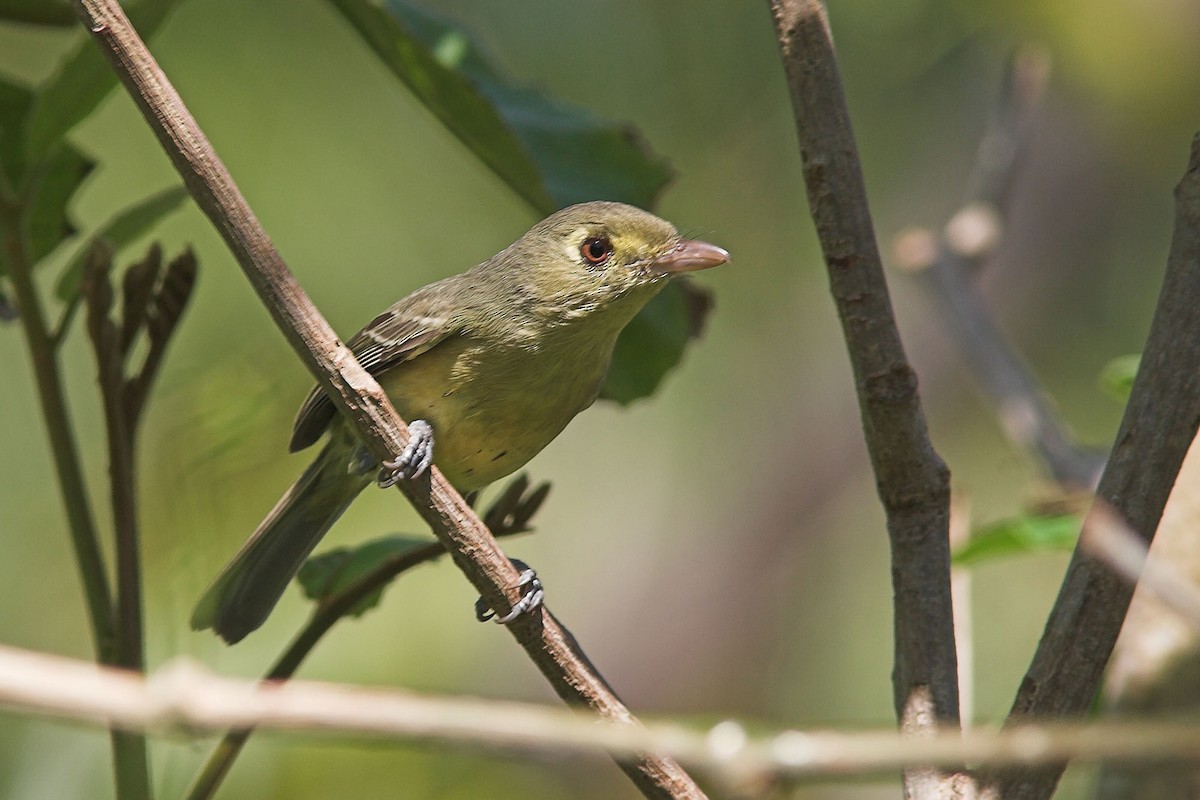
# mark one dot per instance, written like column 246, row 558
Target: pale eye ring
column 596, row 250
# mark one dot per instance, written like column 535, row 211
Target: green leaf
column 121, row 230
column 653, row 343
column 328, row 574
column 1117, row 376
column 56, row 181
column 82, row 81
column 551, row 153
column 1028, row 533
column 59, row 13
column 15, row 102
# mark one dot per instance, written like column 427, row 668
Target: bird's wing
column 403, row 332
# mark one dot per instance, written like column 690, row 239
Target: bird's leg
column 416, row 458
column 532, row 595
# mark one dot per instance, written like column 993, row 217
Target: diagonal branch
column 912, row 480
column 354, row 391
column 970, row 240
column 1159, row 425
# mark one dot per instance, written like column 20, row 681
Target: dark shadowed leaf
column 654, row 342
column 551, row 153
column 15, row 102
column 1023, row 534
column 54, row 183
column 326, row 575
column 120, row 231
column 59, row 13
column 82, row 80
column 1117, row 376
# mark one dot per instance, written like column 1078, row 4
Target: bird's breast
column 494, row 406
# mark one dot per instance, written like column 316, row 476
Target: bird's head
column 600, row 255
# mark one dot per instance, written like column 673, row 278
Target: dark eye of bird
column 596, row 249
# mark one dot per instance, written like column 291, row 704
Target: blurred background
column 718, row 549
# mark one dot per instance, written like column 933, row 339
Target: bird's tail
column 250, row 585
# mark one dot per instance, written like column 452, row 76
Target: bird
column 489, row 365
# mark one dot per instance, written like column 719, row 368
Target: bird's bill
column 690, row 255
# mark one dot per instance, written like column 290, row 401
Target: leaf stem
column 52, row 397
column 326, row 614
column 129, row 750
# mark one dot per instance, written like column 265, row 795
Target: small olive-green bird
column 491, row 364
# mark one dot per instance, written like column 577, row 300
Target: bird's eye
column 596, row 249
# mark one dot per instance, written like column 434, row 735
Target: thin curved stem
column 52, row 397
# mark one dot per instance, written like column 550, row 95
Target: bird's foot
column 414, row 461
column 532, row 595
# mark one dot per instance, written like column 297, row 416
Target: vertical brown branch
column 1159, row 425
column 911, row 478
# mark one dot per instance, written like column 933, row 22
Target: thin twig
column 43, row 353
column 970, row 240
column 324, row 617
column 1109, row 539
column 1158, row 427
column 70, row 307
column 911, row 478
column 184, row 699
column 333, row 608
column 960, row 592
column 131, row 762
column 128, row 752
column 97, row 290
column 163, row 308
column 354, row 391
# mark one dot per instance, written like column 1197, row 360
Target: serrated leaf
column 1027, row 533
column 551, row 153
column 653, row 343
column 1117, row 376
column 126, row 227
column 59, row 13
column 56, row 183
column 83, row 79
column 328, row 574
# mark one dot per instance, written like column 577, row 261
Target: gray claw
column 414, row 461
column 531, row 597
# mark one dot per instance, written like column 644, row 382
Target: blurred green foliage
column 1028, row 533
column 332, row 572
column 1117, row 376
column 718, row 549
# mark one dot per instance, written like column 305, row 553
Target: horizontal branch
column 184, row 699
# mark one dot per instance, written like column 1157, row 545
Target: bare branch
column 183, row 698
column 1159, row 424
column 353, row 390
column 912, row 480
column 1110, row 540
column 969, row 241
column 513, row 507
